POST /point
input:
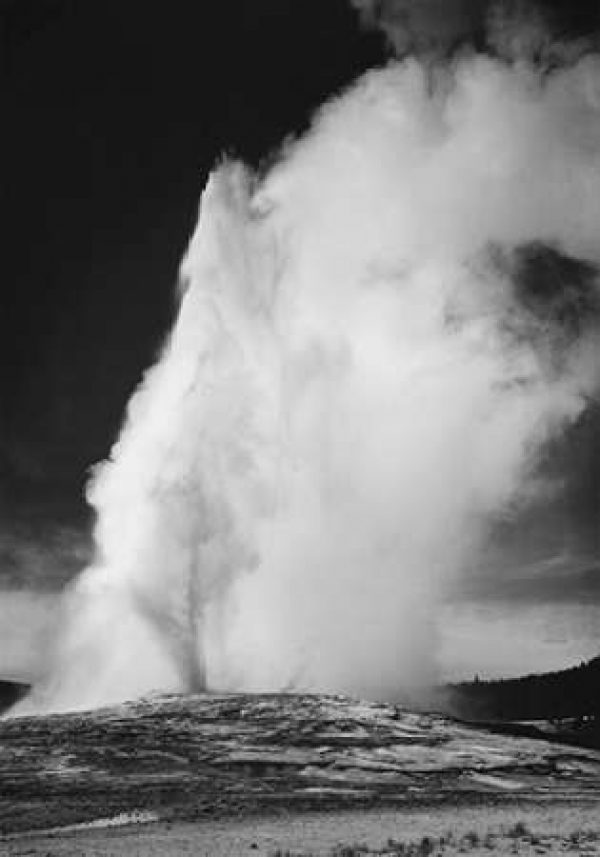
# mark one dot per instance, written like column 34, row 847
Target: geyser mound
column 215, row 757
column 359, row 381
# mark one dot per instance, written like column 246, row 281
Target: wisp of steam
column 360, row 381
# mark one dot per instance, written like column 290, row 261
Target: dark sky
column 112, row 115
column 113, row 112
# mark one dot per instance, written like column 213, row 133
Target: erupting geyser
column 358, row 382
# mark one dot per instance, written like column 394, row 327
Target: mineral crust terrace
column 175, row 757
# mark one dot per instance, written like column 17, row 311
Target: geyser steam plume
column 360, row 380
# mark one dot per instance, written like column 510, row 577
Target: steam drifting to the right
column 365, row 367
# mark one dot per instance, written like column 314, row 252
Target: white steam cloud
column 353, row 391
column 423, row 26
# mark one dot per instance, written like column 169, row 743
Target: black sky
column 113, row 112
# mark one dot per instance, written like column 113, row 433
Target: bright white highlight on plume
column 353, row 390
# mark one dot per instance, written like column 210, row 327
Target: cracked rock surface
column 210, row 755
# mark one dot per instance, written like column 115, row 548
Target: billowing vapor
column 424, row 26
column 362, row 376
column 546, row 31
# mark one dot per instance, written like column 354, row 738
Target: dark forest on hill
column 11, row 692
column 565, row 704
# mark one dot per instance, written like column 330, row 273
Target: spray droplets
column 356, row 387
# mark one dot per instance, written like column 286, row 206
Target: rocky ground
column 188, row 767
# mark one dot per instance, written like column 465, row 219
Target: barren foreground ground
column 235, row 775
column 526, row 830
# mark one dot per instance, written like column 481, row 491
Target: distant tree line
column 570, row 693
column 11, row 692
column 561, row 706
